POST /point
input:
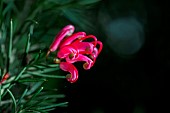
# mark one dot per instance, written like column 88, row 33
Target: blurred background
column 129, row 74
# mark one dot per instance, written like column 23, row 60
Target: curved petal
column 88, row 62
column 96, row 51
column 83, row 47
column 66, row 31
column 73, row 76
column 67, row 51
column 94, row 55
column 100, row 46
column 88, row 37
column 72, row 38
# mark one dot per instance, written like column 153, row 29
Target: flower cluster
column 75, row 47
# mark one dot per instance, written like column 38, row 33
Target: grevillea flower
column 75, row 48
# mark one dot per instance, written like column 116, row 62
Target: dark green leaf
column 32, row 80
column 20, row 74
column 86, row 2
column 13, row 99
column 35, row 94
column 47, row 66
column 45, row 70
column 51, row 96
column 22, row 96
column 27, row 44
column 52, row 106
column 45, row 75
column 0, row 94
column 34, row 88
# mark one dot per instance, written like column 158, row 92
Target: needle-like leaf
column 13, row 99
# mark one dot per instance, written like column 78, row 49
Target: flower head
column 75, row 48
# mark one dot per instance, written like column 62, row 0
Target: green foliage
column 27, row 28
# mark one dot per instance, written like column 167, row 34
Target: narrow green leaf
column 0, row 95
column 50, row 109
column 10, row 46
column 32, row 21
column 51, row 96
column 5, row 86
column 10, row 39
column 32, row 80
column 0, row 73
column 31, row 29
column 37, row 67
column 46, row 102
column 52, row 106
column 9, row 87
column 1, row 8
column 37, row 103
column 13, row 99
column 35, row 111
column 22, row 96
column 27, row 44
column 19, row 75
column 1, row 58
column 53, row 65
column 45, row 70
column 45, row 75
column 35, row 58
column 34, row 88
column 86, row 2
column 47, row 66
column 35, row 94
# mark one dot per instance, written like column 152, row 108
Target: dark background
column 130, row 73
column 125, row 82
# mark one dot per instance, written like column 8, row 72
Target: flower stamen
column 56, row 60
column 71, row 55
column 85, row 65
column 68, row 76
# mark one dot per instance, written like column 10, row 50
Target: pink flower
column 77, row 47
column 66, row 31
column 73, row 76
